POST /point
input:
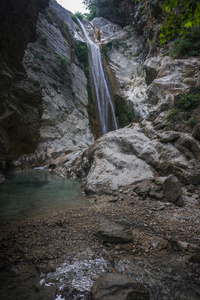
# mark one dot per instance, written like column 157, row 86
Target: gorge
column 140, row 168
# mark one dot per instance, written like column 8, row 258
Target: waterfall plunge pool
column 35, row 194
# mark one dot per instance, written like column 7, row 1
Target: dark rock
column 196, row 256
column 154, row 194
column 172, row 189
column 114, row 233
column 196, row 132
column 112, row 286
column 2, row 179
column 189, row 146
column 52, row 166
column 20, row 99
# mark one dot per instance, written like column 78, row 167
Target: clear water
column 35, row 194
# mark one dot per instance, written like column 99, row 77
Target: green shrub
column 64, row 61
column 172, row 115
column 188, row 101
column 124, row 114
column 76, row 16
column 140, row 7
column 105, row 51
column 187, row 45
column 129, row 116
column 89, row 110
column 89, row 90
column 73, row 93
column 81, row 51
column 192, row 122
column 35, row 68
column 41, row 56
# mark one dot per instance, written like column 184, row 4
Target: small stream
column 35, row 194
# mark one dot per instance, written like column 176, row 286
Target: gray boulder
column 172, row 190
column 114, row 233
column 111, row 286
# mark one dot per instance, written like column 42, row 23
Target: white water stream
column 105, row 107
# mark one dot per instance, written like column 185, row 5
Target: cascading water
column 105, row 107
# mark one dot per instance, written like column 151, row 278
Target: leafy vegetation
column 188, row 101
column 35, row 68
column 124, row 114
column 105, row 51
column 76, row 16
column 64, row 61
column 188, row 45
column 172, row 115
column 192, row 122
column 101, row 8
column 41, row 56
column 181, row 16
column 73, row 93
column 81, row 51
column 184, row 109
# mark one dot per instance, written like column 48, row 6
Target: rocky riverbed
column 163, row 253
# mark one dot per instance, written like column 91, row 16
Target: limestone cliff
column 163, row 93
column 44, row 89
column 20, row 99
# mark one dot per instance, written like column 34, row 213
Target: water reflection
column 37, row 193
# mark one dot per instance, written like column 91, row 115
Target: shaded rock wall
column 52, row 61
column 44, row 96
column 20, row 98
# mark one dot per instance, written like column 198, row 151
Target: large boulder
column 114, row 233
column 128, row 156
column 111, row 286
column 172, row 189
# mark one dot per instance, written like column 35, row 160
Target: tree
column 181, row 16
column 91, row 6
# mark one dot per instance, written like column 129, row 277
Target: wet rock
column 172, row 189
column 2, row 179
column 114, row 233
column 112, row 286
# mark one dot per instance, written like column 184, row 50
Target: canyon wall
column 160, row 90
column 44, row 97
column 45, row 106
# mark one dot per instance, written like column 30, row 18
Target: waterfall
column 105, row 107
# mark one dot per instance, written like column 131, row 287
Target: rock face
column 129, row 155
column 112, row 286
column 20, row 98
column 43, row 99
column 172, row 189
column 64, row 122
column 125, row 56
